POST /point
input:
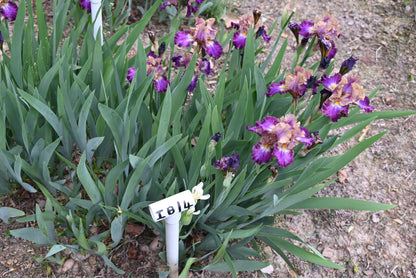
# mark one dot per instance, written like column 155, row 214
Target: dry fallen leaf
column 132, row 253
column 342, row 176
column 134, row 229
column 398, row 221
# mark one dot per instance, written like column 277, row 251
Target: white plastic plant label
column 177, row 203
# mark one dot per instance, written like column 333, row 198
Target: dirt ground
column 383, row 244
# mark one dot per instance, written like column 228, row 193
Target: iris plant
column 278, row 139
column 243, row 25
column 8, row 9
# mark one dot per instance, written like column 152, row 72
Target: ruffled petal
column 8, row 10
column 284, row 156
column 262, row 153
column 307, row 29
column 184, row 38
column 276, row 88
column 365, row 104
column 161, row 84
column 334, row 110
column 239, row 40
column 330, row 83
column 213, row 49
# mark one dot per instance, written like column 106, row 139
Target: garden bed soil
column 367, row 244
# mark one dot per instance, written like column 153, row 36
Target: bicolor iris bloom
column 243, row 25
column 154, row 64
column 8, row 9
column 203, row 36
column 345, row 91
column 278, row 139
column 86, row 5
column 296, row 84
column 326, row 31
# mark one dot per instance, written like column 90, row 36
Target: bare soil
column 382, row 244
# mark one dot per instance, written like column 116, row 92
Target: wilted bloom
column 347, row 65
column 203, row 35
column 347, row 92
column 278, row 138
column 243, row 25
column 198, row 192
column 227, row 163
column 86, row 5
column 296, row 84
column 8, row 9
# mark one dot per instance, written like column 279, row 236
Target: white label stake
column 170, row 209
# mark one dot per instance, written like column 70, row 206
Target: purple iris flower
column 8, row 9
column 243, row 25
column 296, row 84
column 279, row 137
column 154, row 65
column 86, row 5
column 347, row 92
column 203, row 34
